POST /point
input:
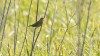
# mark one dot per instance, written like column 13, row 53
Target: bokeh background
column 62, row 32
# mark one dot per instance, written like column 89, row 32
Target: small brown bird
column 38, row 23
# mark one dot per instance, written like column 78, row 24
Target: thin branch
column 26, row 28
column 15, row 37
column 65, row 34
column 51, row 30
column 37, row 9
column 46, row 9
column 79, row 10
column 85, row 32
column 35, row 28
column 67, row 25
column 39, row 30
column 4, row 25
column 1, row 21
column 18, row 21
column 37, row 36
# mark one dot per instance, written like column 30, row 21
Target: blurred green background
column 58, row 16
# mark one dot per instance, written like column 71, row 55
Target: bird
column 38, row 23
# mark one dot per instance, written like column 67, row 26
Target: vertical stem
column 4, row 25
column 15, row 37
column 85, row 32
column 26, row 28
column 3, row 15
column 34, row 29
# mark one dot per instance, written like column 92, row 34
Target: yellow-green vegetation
column 70, row 28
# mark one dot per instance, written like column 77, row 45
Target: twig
column 39, row 30
column 4, row 25
column 3, row 14
column 84, row 37
column 18, row 21
column 37, row 36
column 15, row 37
column 46, row 9
column 67, row 26
column 35, row 28
column 79, row 18
column 26, row 28
column 49, row 44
